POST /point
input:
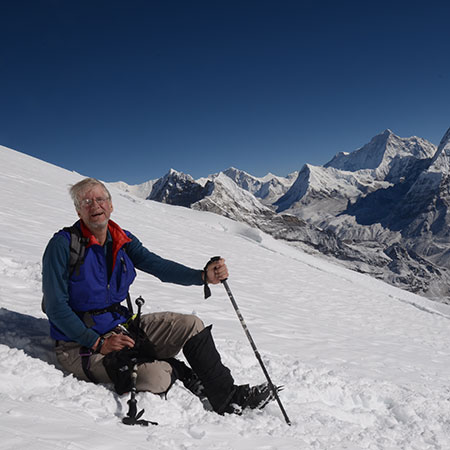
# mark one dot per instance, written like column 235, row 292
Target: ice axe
column 249, row 337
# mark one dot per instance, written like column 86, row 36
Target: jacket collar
column 119, row 236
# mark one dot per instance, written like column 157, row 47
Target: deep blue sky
column 126, row 90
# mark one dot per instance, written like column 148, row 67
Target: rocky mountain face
column 177, row 188
column 380, row 210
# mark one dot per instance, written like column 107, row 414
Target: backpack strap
column 78, row 245
column 77, row 250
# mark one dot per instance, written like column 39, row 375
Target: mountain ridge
column 368, row 209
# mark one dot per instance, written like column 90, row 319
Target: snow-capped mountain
column 223, row 196
column 320, row 193
column 441, row 160
column 417, row 207
column 389, row 157
column 431, row 183
column 424, row 210
column 176, row 188
column 267, row 189
column 218, row 193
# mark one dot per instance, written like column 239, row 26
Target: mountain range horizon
column 381, row 209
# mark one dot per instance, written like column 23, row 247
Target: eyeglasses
column 88, row 202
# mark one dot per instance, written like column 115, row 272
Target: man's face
column 95, row 208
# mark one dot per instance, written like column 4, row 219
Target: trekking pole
column 133, row 417
column 255, row 350
column 253, row 345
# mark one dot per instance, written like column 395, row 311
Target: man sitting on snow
column 92, row 330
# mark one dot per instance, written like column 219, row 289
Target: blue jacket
column 99, row 284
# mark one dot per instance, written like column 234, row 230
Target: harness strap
column 87, row 316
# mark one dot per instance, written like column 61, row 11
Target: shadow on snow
column 27, row 333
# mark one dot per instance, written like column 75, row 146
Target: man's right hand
column 115, row 342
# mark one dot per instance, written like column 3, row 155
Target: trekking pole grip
column 207, row 290
column 214, row 259
column 139, row 302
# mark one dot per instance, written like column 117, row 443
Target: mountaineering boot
column 218, row 384
column 203, row 357
column 255, row 397
column 187, row 376
column 194, row 385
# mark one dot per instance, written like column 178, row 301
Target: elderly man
column 90, row 326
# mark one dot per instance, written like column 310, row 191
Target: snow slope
column 365, row 365
column 142, row 190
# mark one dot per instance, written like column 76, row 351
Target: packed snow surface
column 364, row 365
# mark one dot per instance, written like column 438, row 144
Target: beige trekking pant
column 167, row 331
